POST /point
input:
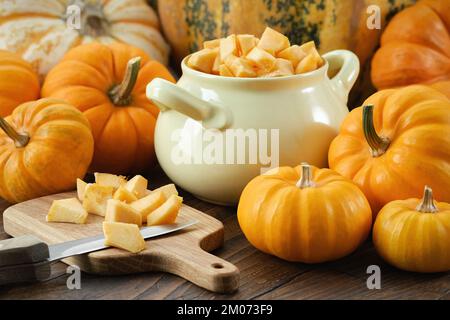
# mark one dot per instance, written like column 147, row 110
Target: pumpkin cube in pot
column 228, row 46
column 109, row 180
column 294, row 54
column 216, row 66
column 224, row 71
column 137, row 186
column 67, row 210
column 211, row 44
column 96, row 197
column 167, row 190
column 273, row 42
column 308, row 64
column 167, row 213
column 264, row 61
column 118, row 211
column 124, row 236
column 282, row 68
column 81, row 188
column 310, row 49
column 148, row 204
column 203, row 60
column 124, row 195
column 240, row 67
column 246, row 43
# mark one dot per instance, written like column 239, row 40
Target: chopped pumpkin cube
column 124, row 236
column 310, row 49
column 309, row 63
column 67, row 210
column 211, row 44
column 167, row 213
column 216, row 66
column 282, row 68
column 148, row 204
column 228, row 46
column 264, row 61
column 246, row 43
column 123, row 194
column 118, row 211
column 273, row 42
column 203, row 60
column 81, row 187
column 294, row 54
column 167, row 190
column 137, row 186
column 240, row 67
column 109, row 180
column 225, row 71
column 95, row 198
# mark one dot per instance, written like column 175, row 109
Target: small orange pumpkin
column 399, row 140
column 18, row 82
column 45, row 145
column 304, row 214
column 108, row 84
column 414, row 235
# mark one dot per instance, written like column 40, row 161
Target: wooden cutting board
column 183, row 253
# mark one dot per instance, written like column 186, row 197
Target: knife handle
column 23, row 259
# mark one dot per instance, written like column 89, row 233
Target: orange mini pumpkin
column 304, row 214
column 398, row 142
column 108, row 84
column 18, row 82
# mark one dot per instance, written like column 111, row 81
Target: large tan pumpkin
column 42, row 31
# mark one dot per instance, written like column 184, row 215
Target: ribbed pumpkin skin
column 59, row 151
column 310, row 225
column 416, row 120
column 123, row 134
column 415, row 48
column 332, row 24
column 39, row 31
column 411, row 240
column 18, row 82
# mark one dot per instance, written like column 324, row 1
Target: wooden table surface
column 262, row 276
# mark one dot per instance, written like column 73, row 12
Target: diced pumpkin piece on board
column 211, row 44
column 148, row 204
column 240, row 67
column 167, row 190
column 167, row 213
column 96, row 197
column 264, row 61
column 109, row 180
column 309, row 63
column 224, row 71
column 123, row 194
column 228, row 46
column 118, row 211
column 282, row 68
column 203, row 60
column 137, row 186
column 124, row 236
column 246, row 43
column 273, row 42
column 67, row 210
column 294, row 54
column 81, row 187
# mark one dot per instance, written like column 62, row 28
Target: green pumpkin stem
column 120, row 95
column 20, row 140
column 306, row 178
column 377, row 144
column 427, row 205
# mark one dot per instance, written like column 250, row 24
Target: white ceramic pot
column 208, row 128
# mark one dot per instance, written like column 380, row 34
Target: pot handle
column 169, row 96
column 345, row 65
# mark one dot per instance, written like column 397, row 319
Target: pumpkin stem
column 427, row 205
column 121, row 94
column 378, row 145
column 20, row 140
column 306, row 178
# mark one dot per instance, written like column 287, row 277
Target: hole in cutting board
column 217, row 266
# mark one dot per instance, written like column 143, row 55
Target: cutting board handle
column 203, row 269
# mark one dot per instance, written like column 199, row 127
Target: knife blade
column 72, row 248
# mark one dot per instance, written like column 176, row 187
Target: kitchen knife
column 27, row 259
